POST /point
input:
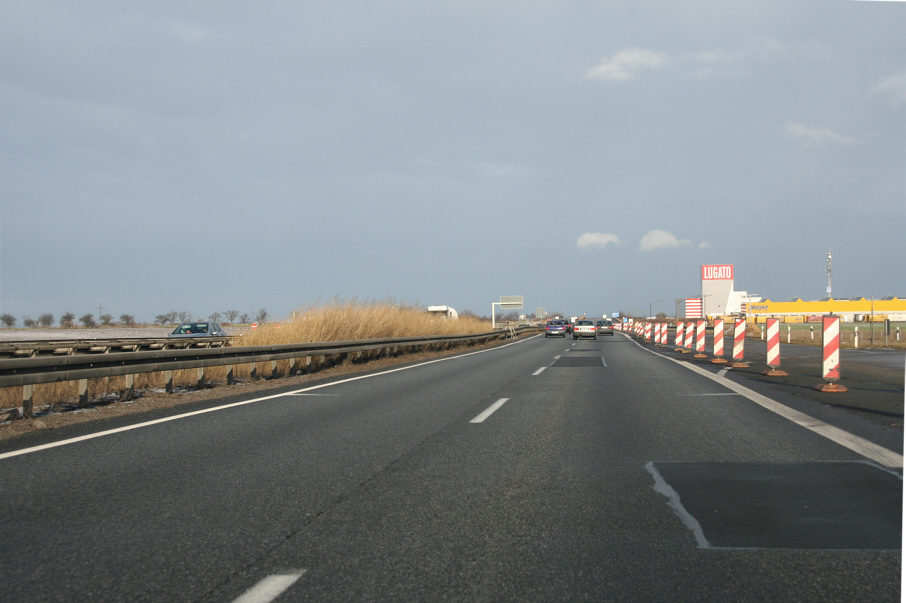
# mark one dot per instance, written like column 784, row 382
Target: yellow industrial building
column 849, row 310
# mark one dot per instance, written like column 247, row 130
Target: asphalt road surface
column 543, row 470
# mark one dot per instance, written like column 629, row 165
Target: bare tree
column 184, row 317
column 261, row 316
column 244, row 319
column 66, row 320
column 105, row 319
column 214, row 317
column 127, row 319
column 88, row 321
column 231, row 315
column 29, row 322
column 45, row 320
column 8, row 320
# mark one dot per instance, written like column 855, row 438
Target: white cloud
column 597, row 240
column 815, row 136
column 892, row 88
column 630, row 62
column 626, row 64
column 661, row 239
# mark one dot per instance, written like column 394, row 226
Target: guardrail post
column 307, row 364
column 253, row 371
column 28, row 401
column 229, row 376
column 168, row 381
column 292, row 367
column 83, row 392
column 130, row 387
column 274, row 373
column 199, row 381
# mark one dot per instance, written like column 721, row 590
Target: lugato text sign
column 718, row 272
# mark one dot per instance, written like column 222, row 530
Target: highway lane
column 871, row 408
column 575, row 487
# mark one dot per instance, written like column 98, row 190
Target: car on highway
column 555, row 328
column 584, row 328
column 198, row 329
column 604, row 326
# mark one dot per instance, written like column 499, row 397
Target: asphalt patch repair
column 813, row 505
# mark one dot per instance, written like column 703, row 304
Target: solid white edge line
column 869, row 450
column 489, row 411
column 108, row 432
column 269, row 588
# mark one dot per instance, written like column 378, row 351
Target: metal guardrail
column 68, row 347
column 30, row 371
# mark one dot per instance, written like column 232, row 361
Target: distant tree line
column 88, row 321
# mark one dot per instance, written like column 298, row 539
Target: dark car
column 555, row 327
column 604, row 326
column 198, row 329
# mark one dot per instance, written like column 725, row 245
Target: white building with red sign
column 718, row 296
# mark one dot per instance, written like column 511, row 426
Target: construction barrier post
column 773, row 351
column 647, row 331
column 718, row 340
column 689, row 338
column 700, row 328
column 830, row 366
column 678, row 340
column 739, row 342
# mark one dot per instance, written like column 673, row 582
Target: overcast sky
column 206, row 156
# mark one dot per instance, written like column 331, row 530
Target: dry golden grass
column 337, row 321
column 355, row 320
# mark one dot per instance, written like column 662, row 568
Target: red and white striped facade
column 694, row 307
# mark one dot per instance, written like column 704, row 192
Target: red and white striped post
column 700, row 328
column 678, row 340
column 663, row 341
column 773, row 351
column 647, row 331
column 689, row 337
column 830, row 365
column 718, row 339
column 739, row 342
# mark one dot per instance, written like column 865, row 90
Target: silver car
column 584, row 328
